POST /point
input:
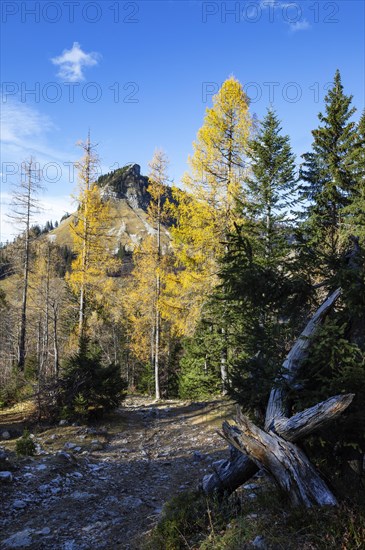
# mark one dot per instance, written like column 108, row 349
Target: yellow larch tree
column 146, row 287
column 157, row 189
column 206, row 208
column 90, row 238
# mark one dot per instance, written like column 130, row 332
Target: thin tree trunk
column 223, row 362
column 45, row 343
column 157, row 305
column 23, row 318
column 85, row 247
column 55, row 343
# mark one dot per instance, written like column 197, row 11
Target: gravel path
column 110, row 495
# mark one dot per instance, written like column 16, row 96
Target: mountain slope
column 126, row 189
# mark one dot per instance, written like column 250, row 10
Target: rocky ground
column 104, row 486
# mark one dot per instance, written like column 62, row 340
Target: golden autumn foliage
column 90, row 238
column 206, row 210
column 140, row 300
column 90, row 241
column 146, row 288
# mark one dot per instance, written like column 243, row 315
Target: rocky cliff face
column 129, row 222
column 127, row 183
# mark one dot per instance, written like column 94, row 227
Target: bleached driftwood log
column 273, row 448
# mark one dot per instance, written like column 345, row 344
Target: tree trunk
column 273, row 448
column 157, row 304
column 288, row 465
column 23, row 318
column 223, row 362
column 55, row 343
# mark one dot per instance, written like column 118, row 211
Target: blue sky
column 141, row 74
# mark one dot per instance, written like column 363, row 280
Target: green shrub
column 317, row 529
column 25, row 445
column 88, row 389
column 31, row 368
column 195, row 381
column 146, row 380
column 187, row 519
column 15, row 389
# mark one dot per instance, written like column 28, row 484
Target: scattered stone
column 52, row 438
column 21, row 539
column 63, row 423
column 3, row 454
column 197, row 456
column 260, row 543
column 79, row 495
column 69, row 446
column 70, row 545
column 252, row 516
column 131, row 502
column 44, row 532
column 251, row 486
column 96, row 445
column 38, row 449
column 19, row 504
column 6, row 435
column 6, row 476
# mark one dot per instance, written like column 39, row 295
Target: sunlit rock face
column 127, row 183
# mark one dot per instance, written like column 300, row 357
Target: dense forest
column 212, row 295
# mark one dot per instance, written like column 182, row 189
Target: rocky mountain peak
column 126, row 183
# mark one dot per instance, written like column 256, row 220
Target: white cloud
column 299, row 26
column 19, row 122
column 73, row 62
column 24, row 132
column 288, row 8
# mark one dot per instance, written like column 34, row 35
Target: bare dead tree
column 273, row 448
column 24, row 207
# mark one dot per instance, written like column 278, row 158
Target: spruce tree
column 271, row 187
column 259, row 289
column 356, row 209
column 328, row 175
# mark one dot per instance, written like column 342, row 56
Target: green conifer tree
column 259, row 288
column 328, row 175
column 356, row 209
